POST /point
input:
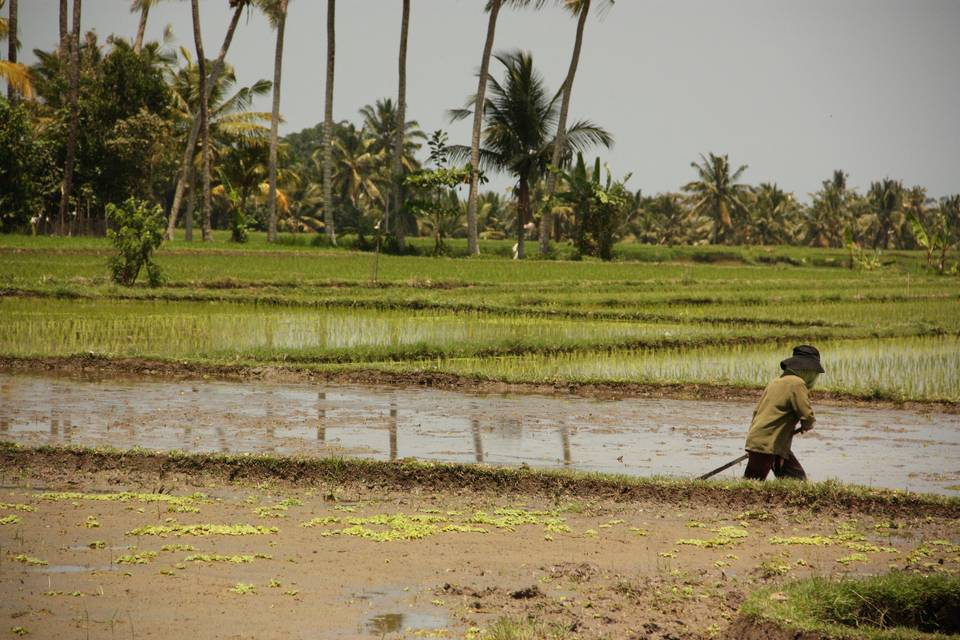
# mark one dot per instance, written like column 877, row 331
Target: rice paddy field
column 712, row 316
column 321, row 442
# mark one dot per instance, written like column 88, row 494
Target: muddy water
column 877, row 447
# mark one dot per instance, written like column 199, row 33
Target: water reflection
column 651, row 436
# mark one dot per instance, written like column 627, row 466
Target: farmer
column 785, row 402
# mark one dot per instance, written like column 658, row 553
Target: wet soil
column 618, row 572
column 99, row 366
column 881, row 447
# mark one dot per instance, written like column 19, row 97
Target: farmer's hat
column 804, row 358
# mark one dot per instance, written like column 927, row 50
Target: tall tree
column 64, row 10
column 66, row 189
column 397, row 169
column 519, row 134
column 143, row 6
column 12, row 45
column 277, row 11
column 886, row 201
column 238, row 6
column 328, row 124
column 580, row 8
column 717, row 194
column 204, row 119
column 493, row 8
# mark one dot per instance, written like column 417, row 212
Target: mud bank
column 409, row 475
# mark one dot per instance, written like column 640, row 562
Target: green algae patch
column 237, row 559
column 178, row 547
column 202, row 530
column 816, row 540
column 242, row 588
column 16, row 506
column 33, row 562
column 10, row 519
column 427, row 523
column 726, row 536
column 144, row 557
column 175, row 504
column 894, row 606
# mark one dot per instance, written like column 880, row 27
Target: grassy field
column 700, row 315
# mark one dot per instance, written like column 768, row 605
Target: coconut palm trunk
column 190, row 149
column 562, row 127
column 64, row 9
column 12, row 45
column 328, row 124
column 142, row 26
column 523, row 213
column 397, row 200
column 66, row 189
column 275, row 119
column 204, row 117
column 472, row 245
column 191, row 203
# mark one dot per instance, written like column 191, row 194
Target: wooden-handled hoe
column 732, row 462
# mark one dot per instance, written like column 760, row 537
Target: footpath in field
column 882, row 447
column 120, row 552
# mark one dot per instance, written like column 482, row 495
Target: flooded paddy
column 875, row 447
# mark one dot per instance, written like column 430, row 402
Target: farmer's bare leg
column 789, row 468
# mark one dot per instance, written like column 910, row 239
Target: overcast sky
column 794, row 89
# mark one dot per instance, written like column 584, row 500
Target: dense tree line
column 94, row 123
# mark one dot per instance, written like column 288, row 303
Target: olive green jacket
column 785, row 402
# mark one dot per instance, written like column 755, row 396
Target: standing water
column 875, row 447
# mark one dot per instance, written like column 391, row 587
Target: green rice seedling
column 10, row 519
column 33, row 562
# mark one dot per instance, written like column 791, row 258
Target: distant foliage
column 137, row 230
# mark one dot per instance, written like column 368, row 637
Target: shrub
column 137, row 231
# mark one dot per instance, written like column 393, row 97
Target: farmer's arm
column 800, row 399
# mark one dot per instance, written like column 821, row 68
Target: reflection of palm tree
column 717, row 194
column 520, row 122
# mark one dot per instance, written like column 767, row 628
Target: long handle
column 733, row 462
column 724, row 467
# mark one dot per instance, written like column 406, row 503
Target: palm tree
column 276, row 11
column 520, row 128
column 886, row 199
column 204, row 120
column 356, row 178
column 399, row 127
column 238, row 6
column 580, row 8
column 62, row 50
column 16, row 75
column 143, row 6
column 12, row 45
column 717, row 194
column 772, row 215
column 66, row 189
column 328, row 124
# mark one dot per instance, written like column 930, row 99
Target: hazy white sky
column 792, row 88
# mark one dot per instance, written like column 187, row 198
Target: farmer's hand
column 806, row 426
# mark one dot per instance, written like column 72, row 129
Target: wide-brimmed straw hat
column 804, row 358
